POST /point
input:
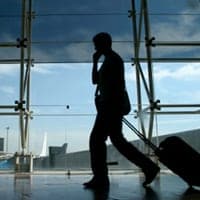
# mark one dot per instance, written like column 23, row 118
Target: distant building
column 50, row 161
column 59, row 159
column 55, row 151
column 1, row 144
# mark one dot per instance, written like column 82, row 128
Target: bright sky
column 58, row 85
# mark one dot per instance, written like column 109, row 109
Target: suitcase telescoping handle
column 140, row 135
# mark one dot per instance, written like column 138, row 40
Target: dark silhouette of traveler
column 111, row 84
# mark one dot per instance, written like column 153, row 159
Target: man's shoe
column 97, row 183
column 150, row 175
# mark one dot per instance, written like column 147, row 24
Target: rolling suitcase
column 175, row 154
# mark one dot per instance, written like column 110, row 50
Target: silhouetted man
column 111, row 85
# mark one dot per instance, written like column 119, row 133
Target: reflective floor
column 123, row 187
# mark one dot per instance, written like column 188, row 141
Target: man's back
column 111, row 79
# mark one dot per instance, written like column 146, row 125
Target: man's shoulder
column 116, row 57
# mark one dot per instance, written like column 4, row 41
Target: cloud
column 9, row 69
column 177, row 28
column 79, row 52
column 82, row 27
column 43, row 68
column 193, row 4
column 7, row 90
column 183, row 27
column 129, row 72
column 194, row 95
column 177, row 83
column 186, row 72
column 53, row 68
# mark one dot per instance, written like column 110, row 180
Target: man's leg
column 98, row 155
column 149, row 168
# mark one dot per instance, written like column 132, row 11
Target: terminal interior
column 46, row 105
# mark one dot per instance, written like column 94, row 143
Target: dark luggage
column 177, row 155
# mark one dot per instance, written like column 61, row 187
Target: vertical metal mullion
column 148, row 50
column 29, row 53
column 136, row 37
column 29, row 37
column 139, row 39
column 150, row 67
column 136, row 54
column 22, row 61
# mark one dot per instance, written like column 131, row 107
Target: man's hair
column 103, row 38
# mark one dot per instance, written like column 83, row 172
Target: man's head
column 102, row 42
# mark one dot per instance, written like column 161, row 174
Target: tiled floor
column 123, row 187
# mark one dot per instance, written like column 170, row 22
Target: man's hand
column 96, row 56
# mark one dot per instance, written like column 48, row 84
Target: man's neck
column 107, row 52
